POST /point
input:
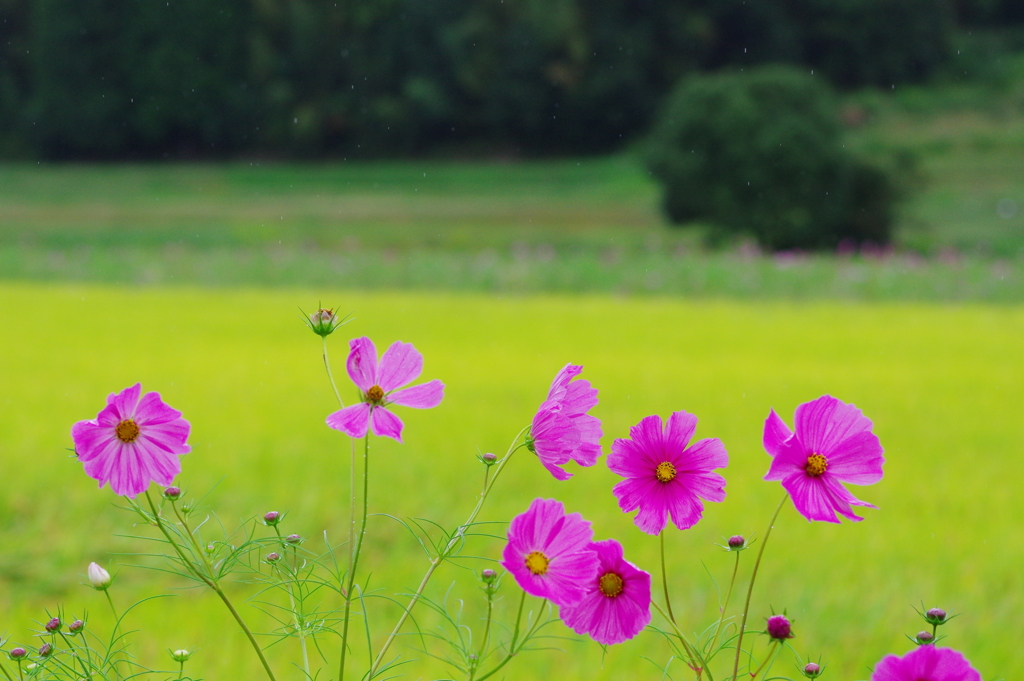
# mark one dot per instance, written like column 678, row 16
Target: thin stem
column 106, row 592
column 725, row 606
column 355, row 557
column 296, row 613
column 695, row 657
column 664, row 578
column 750, row 589
column 330, row 376
column 74, row 653
column 181, row 670
column 441, row 556
column 512, row 646
column 768, row 657
column 252, row 639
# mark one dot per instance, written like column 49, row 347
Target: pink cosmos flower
column 132, row 442
column 664, row 477
column 926, row 663
column 562, row 430
column 549, row 553
column 617, row 603
column 833, row 444
column 379, row 384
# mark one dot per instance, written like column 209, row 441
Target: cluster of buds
column 324, row 321
column 936, row 617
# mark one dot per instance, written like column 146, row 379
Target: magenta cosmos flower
column 562, row 431
column 132, row 442
column 379, row 384
column 833, row 444
column 549, row 553
column 664, row 477
column 617, row 603
column 926, row 663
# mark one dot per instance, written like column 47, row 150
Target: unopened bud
column 272, row 518
column 325, row 321
column 45, row 650
column 936, row 616
column 76, row 626
column 779, row 628
column 812, row 670
column 17, row 653
column 181, row 655
column 293, row 539
column 737, row 542
column 924, row 638
column 489, row 458
column 172, row 493
column 273, row 557
column 99, row 578
column 53, row 625
column 488, row 575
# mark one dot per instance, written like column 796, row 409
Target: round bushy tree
column 760, row 152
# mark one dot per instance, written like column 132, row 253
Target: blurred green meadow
column 943, row 385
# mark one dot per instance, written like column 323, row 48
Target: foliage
column 760, row 152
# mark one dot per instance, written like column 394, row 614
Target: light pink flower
column 833, row 444
column 549, row 552
column 379, row 384
column 617, row 604
column 926, row 663
column 664, row 476
column 562, row 431
column 132, row 442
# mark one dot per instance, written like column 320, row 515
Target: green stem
column 181, row 670
column 297, row 615
column 212, row 583
column 330, row 376
column 354, row 562
column 750, row 589
column 770, row 656
column 512, row 646
column 440, row 557
column 695, row 658
column 74, row 653
column 725, row 606
column 664, row 578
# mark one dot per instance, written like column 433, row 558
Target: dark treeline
column 213, row 78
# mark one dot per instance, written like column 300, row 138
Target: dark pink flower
column 562, row 431
column 664, row 477
column 617, row 603
column 779, row 627
column 379, row 384
column 549, row 552
column 833, row 444
column 926, row 663
column 132, row 442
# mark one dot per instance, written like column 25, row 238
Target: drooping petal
column 401, row 364
column 824, row 423
column 578, row 397
column 423, row 396
column 816, row 499
column 776, row 432
column 362, row 363
column 385, row 423
column 353, row 420
column 562, row 379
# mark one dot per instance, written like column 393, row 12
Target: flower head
column 549, row 552
column 273, row 557
column 833, row 444
column 99, row 578
column 562, row 430
column 617, row 604
column 935, row 616
column 924, row 638
column 53, row 625
column 664, row 476
column 812, row 670
column 737, row 542
column 379, row 384
column 324, row 321
column 132, row 442
column 76, row 627
column 45, row 650
column 271, row 518
column 779, row 627
column 172, row 493
column 926, row 663
column 18, row 653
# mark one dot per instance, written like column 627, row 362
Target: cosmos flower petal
column 125, row 402
column 824, row 423
column 353, row 420
column 705, row 484
column 579, row 397
column 423, row 396
column 90, row 438
column 679, row 431
column 385, row 423
column 561, row 430
column 153, row 411
column 791, row 458
column 169, row 436
column 401, row 364
column 857, row 460
column 648, row 435
column 704, row 454
column 926, row 663
column 686, row 510
column 562, row 379
column 362, row 363
column 813, row 498
column 776, row 432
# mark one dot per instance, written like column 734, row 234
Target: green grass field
column 942, row 384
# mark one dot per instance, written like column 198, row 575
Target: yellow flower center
column 610, row 584
column 537, row 563
column 816, row 465
column 127, row 431
column 665, row 471
column 375, row 394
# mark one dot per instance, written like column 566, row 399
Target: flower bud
column 181, row 655
column 76, row 627
column 489, row 458
column 488, row 575
column 293, row 539
column 737, row 542
column 935, row 616
column 325, row 321
column 272, row 518
column 172, row 493
column 53, row 625
column 98, row 577
column 17, row 653
column 273, row 557
column 779, row 628
column 811, row 670
column 45, row 650
column 923, row 638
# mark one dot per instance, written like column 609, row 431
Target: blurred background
column 714, row 205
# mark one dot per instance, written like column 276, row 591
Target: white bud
column 98, row 577
column 181, row 655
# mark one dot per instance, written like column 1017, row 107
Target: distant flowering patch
column 312, row 589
